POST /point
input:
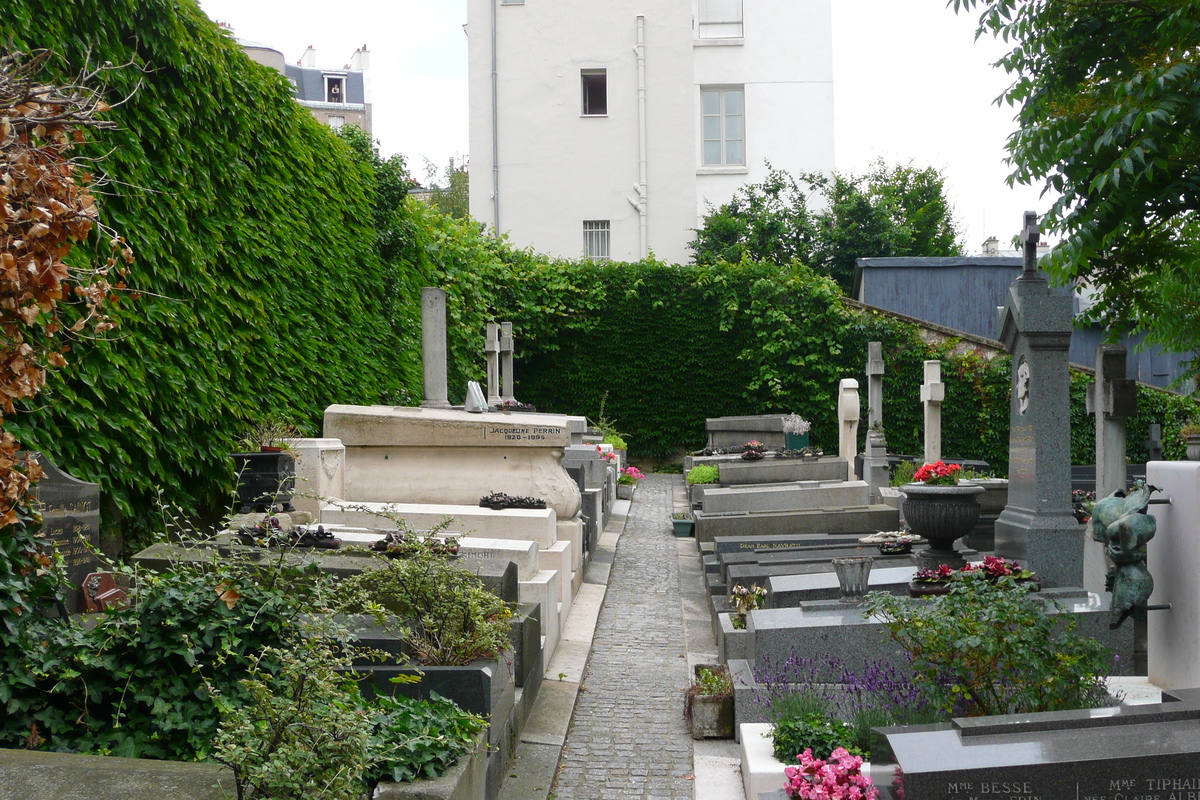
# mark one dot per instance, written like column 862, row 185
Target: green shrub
column 128, row 683
column 989, row 648
column 817, row 731
column 302, row 731
column 421, row 738
column 444, row 614
column 703, row 473
column 616, row 441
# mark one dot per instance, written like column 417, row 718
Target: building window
column 595, row 239
column 336, row 122
column 335, row 89
column 720, row 19
column 594, row 84
column 723, row 127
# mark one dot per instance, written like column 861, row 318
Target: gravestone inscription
column 71, row 521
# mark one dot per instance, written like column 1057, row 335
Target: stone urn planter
column 1193, row 447
column 941, row 514
column 853, row 574
column 625, row 491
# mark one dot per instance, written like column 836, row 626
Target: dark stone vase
column 942, row 514
column 265, row 480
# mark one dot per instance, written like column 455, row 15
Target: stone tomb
column 71, row 521
column 843, row 519
column 797, row 496
column 1144, row 752
column 735, row 431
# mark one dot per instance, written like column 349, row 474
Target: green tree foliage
column 452, row 194
column 828, row 223
column 262, row 293
column 1108, row 110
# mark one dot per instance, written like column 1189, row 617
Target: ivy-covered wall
column 261, row 291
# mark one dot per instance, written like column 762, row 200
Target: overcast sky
column 910, row 84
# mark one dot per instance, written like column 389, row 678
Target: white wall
column 558, row 168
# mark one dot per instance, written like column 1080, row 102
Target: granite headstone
column 71, row 520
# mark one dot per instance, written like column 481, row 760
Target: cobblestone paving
column 628, row 738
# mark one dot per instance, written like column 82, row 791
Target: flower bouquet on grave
column 607, row 455
column 498, row 501
column 744, row 600
column 993, row 569
column 839, row 778
column 269, row 532
column 753, row 450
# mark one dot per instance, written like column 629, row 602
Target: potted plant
column 265, row 470
column 941, row 510
column 708, row 703
column 795, row 431
column 627, row 481
column 683, row 523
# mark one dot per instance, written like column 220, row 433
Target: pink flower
column 839, row 778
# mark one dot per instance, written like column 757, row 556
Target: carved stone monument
column 491, row 349
column 71, row 521
column 933, row 392
column 875, row 465
column 848, row 416
column 1037, row 527
column 433, row 348
column 1113, row 400
column 506, row 363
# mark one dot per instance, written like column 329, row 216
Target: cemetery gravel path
column 628, row 738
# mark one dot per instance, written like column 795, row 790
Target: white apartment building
column 604, row 129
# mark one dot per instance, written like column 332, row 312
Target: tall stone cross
column 848, row 416
column 933, row 392
column 1113, row 400
column 433, row 348
column 491, row 349
column 1037, row 527
column 875, row 465
column 506, row 366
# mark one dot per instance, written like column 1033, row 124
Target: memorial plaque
column 71, row 521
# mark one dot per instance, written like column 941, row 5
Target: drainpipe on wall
column 495, row 129
column 641, row 187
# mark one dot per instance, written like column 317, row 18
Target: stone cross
column 933, row 392
column 875, row 384
column 506, row 366
column 1154, row 443
column 875, row 465
column 1030, row 236
column 1037, row 527
column 491, row 349
column 433, row 347
column 1113, row 400
column 848, row 416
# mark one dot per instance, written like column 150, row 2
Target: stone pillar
column 1113, row 400
column 506, row 366
column 933, row 392
column 1037, row 527
column 876, row 464
column 848, row 415
column 1154, row 443
column 491, row 349
column 433, row 347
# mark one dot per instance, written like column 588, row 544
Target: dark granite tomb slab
column 71, row 521
column 1148, row 752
